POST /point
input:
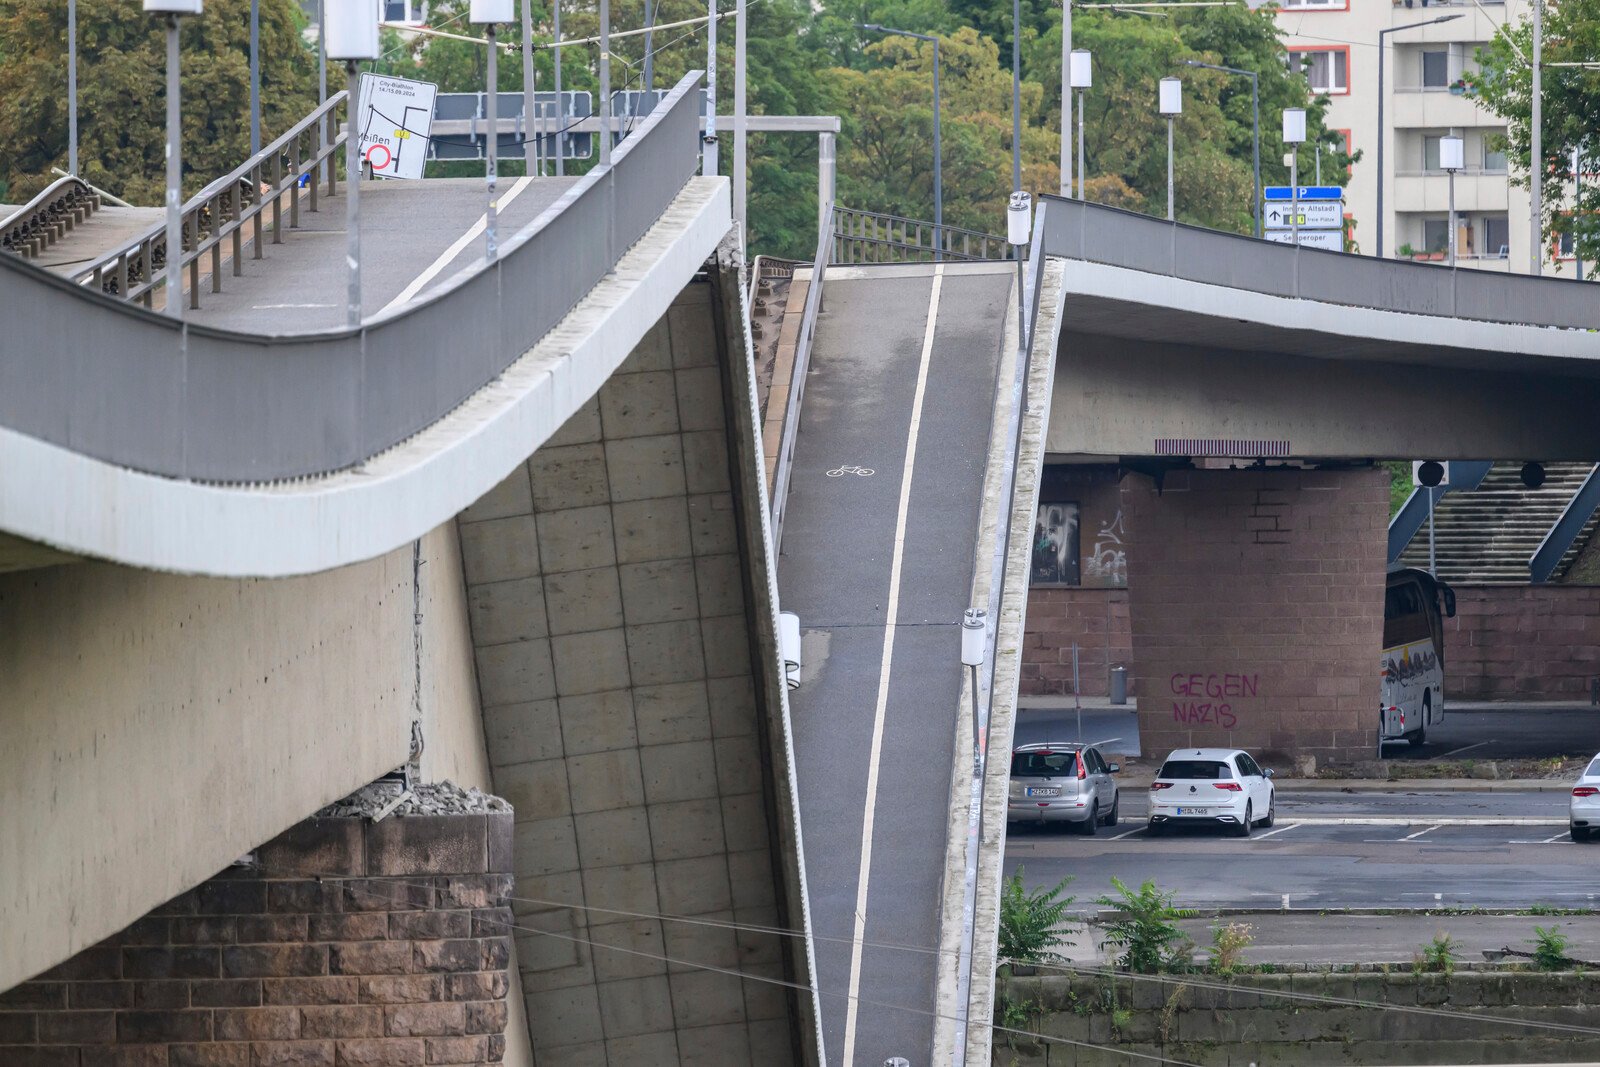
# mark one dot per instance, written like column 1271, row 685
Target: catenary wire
column 785, row 983
column 1196, row 981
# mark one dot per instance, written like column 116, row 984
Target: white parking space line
column 1419, row 833
column 884, row 666
column 1127, row 833
column 1107, row 741
column 1553, row 840
column 1465, row 748
column 1434, row 822
column 1279, row 830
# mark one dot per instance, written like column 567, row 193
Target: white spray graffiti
column 1108, row 562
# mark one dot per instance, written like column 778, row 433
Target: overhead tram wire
column 1199, row 981
column 1140, row 1057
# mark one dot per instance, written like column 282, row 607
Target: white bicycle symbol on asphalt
column 863, row 472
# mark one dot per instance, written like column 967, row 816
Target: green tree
column 122, row 92
column 1570, row 111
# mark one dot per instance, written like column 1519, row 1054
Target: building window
column 1435, row 70
column 1430, row 152
column 412, row 11
column 1564, row 245
column 1496, row 236
column 1436, row 235
column 1326, row 5
column 1327, row 70
column 1494, row 160
column 1055, row 545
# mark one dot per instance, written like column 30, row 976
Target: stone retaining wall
column 1248, row 1020
column 347, row 944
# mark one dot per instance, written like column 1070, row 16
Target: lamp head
column 484, row 12
column 172, row 7
column 1171, row 96
column 1080, row 69
column 1452, row 154
column 351, row 27
column 1294, row 125
column 1019, row 220
column 974, row 631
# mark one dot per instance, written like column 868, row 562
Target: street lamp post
column 1452, row 157
column 1255, row 113
column 1081, row 76
column 173, row 10
column 352, row 27
column 1171, row 100
column 1294, row 135
column 1066, row 99
column 255, row 76
column 1381, row 64
column 938, row 156
column 488, row 14
column 72, row 87
column 1536, row 155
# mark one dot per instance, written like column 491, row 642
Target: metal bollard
column 1119, row 685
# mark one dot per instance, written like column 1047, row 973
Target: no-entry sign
column 394, row 117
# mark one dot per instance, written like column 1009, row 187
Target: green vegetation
column 1031, row 922
column 1400, row 484
column 1228, row 944
column 1570, row 110
column 122, row 92
column 1550, row 948
column 802, row 61
column 1146, row 929
column 1437, row 956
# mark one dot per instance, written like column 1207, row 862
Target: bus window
column 1405, row 615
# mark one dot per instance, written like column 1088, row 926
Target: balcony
column 1416, row 107
column 1429, row 191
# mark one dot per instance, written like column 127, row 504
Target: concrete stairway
column 1488, row 535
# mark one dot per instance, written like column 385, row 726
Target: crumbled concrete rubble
column 434, row 798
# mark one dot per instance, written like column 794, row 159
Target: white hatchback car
column 1584, row 816
column 1215, row 786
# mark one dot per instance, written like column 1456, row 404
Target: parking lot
column 1336, row 850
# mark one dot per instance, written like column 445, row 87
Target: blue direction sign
column 1307, row 192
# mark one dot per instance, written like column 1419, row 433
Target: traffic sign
column 1332, row 240
column 1314, row 214
column 394, row 116
column 1307, row 192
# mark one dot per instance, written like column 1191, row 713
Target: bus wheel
column 1417, row 739
column 1421, row 735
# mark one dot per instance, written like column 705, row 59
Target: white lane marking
column 1279, row 830
column 883, row 668
column 448, row 255
column 1465, row 748
column 1419, row 833
column 1128, row 833
column 1434, row 823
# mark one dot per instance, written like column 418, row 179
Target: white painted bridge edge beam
column 87, row 506
column 1293, row 313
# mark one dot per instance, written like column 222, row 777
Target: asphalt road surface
column 875, row 733
column 415, row 236
column 1415, row 851
column 1514, row 733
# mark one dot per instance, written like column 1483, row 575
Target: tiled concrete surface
column 609, row 622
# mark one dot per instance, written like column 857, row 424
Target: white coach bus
column 1411, row 692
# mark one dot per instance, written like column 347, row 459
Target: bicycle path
column 875, row 732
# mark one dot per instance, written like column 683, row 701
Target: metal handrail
column 850, row 226
column 47, row 218
column 783, row 469
column 220, row 210
column 1560, row 537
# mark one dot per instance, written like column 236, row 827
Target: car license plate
column 1193, row 811
column 1040, row 792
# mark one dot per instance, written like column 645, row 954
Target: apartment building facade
column 1423, row 98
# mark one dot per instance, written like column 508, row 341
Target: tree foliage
column 122, row 92
column 1570, row 112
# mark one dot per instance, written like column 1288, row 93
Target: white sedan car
column 1213, row 786
column 1584, row 818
